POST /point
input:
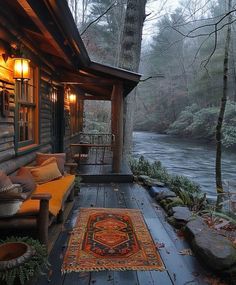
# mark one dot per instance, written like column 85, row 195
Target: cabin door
column 57, row 121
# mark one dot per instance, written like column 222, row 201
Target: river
column 190, row 158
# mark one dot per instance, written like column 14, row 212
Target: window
column 27, row 111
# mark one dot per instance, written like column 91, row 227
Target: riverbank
column 193, row 159
column 210, row 231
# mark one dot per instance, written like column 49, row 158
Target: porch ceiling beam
column 14, row 33
column 96, row 91
column 42, row 18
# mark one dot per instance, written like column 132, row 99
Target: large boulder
column 215, row 250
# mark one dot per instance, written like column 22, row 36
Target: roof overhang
column 49, row 27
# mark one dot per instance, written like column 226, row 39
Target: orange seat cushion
column 56, row 188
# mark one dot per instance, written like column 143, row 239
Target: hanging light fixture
column 21, row 70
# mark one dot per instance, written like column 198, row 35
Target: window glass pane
column 26, row 92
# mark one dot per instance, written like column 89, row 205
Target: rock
column 182, row 214
column 164, row 193
column 142, row 178
column 153, row 182
column 215, row 250
column 195, row 227
column 148, row 181
column 154, row 191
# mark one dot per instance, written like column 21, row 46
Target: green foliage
column 195, row 201
column 181, row 183
column 204, row 122
column 229, row 136
column 186, row 118
column 201, row 123
column 188, row 192
column 30, row 267
column 142, row 166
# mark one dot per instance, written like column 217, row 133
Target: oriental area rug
column 110, row 239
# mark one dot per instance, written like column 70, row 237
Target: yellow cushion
column 46, row 173
column 56, row 188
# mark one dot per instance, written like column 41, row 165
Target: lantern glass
column 21, row 69
column 72, row 98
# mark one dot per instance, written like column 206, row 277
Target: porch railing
column 93, row 148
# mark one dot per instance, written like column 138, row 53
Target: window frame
column 26, row 145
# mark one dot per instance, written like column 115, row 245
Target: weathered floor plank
column 179, row 270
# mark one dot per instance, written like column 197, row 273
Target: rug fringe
column 102, row 268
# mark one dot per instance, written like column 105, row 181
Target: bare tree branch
column 153, row 76
column 98, row 18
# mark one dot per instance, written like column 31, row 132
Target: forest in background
column 181, row 62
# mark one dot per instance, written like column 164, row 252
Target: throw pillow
column 25, row 179
column 60, row 158
column 46, row 173
column 48, row 161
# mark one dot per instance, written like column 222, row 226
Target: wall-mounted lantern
column 72, row 98
column 21, row 69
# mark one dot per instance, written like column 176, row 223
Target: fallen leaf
column 115, row 189
column 180, row 234
column 221, row 225
column 160, row 245
column 186, row 251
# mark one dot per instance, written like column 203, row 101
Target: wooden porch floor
column 180, row 269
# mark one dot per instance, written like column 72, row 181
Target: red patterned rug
column 112, row 239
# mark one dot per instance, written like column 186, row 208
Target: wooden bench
column 40, row 210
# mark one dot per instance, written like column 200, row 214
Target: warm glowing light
column 21, row 69
column 72, row 98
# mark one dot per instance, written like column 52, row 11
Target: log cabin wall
column 10, row 160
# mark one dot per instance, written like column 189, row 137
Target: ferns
column 29, row 268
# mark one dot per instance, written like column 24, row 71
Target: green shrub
column 188, row 191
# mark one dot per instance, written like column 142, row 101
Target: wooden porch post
column 61, row 119
column 117, row 125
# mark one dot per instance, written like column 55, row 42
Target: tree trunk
column 129, row 59
column 219, row 186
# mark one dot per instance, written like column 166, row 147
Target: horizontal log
column 46, row 140
column 8, row 120
column 45, row 127
column 6, row 140
column 7, row 154
column 6, row 146
column 12, row 106
column 15, row 163
column 6, row 130
column 45, row 134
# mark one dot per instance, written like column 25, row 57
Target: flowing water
column 190, row 158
